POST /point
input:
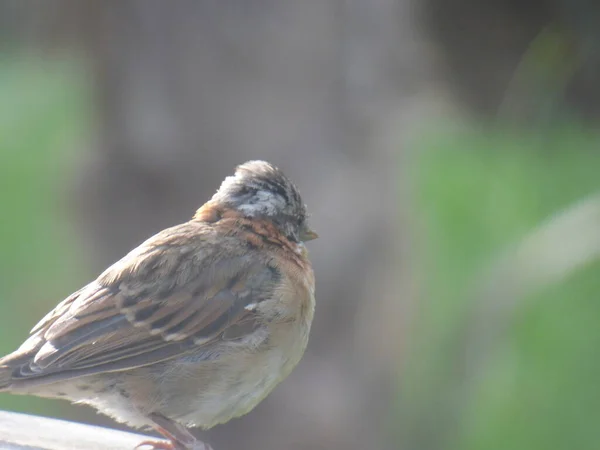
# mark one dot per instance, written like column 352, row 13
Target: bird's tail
column 5, row 378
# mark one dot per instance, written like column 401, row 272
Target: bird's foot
column 178, row 437
column 168, row 445
column 155, row 445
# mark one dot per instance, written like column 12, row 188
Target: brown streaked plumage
column 193, row 327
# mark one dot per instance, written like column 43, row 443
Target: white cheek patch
column 264, row 202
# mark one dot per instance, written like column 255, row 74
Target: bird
column 193, row 327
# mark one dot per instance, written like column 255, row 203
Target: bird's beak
column 308, row 235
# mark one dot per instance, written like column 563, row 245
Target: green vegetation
column 43, row 116
column 478, row 193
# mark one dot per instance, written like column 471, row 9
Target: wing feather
column 176, row 293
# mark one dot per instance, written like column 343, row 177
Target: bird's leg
column 155, row 445
column 179, row 437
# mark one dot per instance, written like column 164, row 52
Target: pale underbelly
column 229, row 388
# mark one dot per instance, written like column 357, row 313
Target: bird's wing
column 176, row 293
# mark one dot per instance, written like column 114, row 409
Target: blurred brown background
column 144, row 106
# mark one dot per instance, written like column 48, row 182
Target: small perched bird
column 192, row 328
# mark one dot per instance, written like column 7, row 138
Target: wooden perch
column 26, row 432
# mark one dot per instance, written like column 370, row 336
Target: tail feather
column 5, row 377
column 13, row 362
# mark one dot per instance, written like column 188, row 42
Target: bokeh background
column 448, row 150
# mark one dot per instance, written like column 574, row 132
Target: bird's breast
column 235, row 383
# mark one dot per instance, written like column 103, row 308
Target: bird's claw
column 167, row 445
column 155, row 445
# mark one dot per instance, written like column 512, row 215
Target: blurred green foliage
column 44, row 115
column 477, row 194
